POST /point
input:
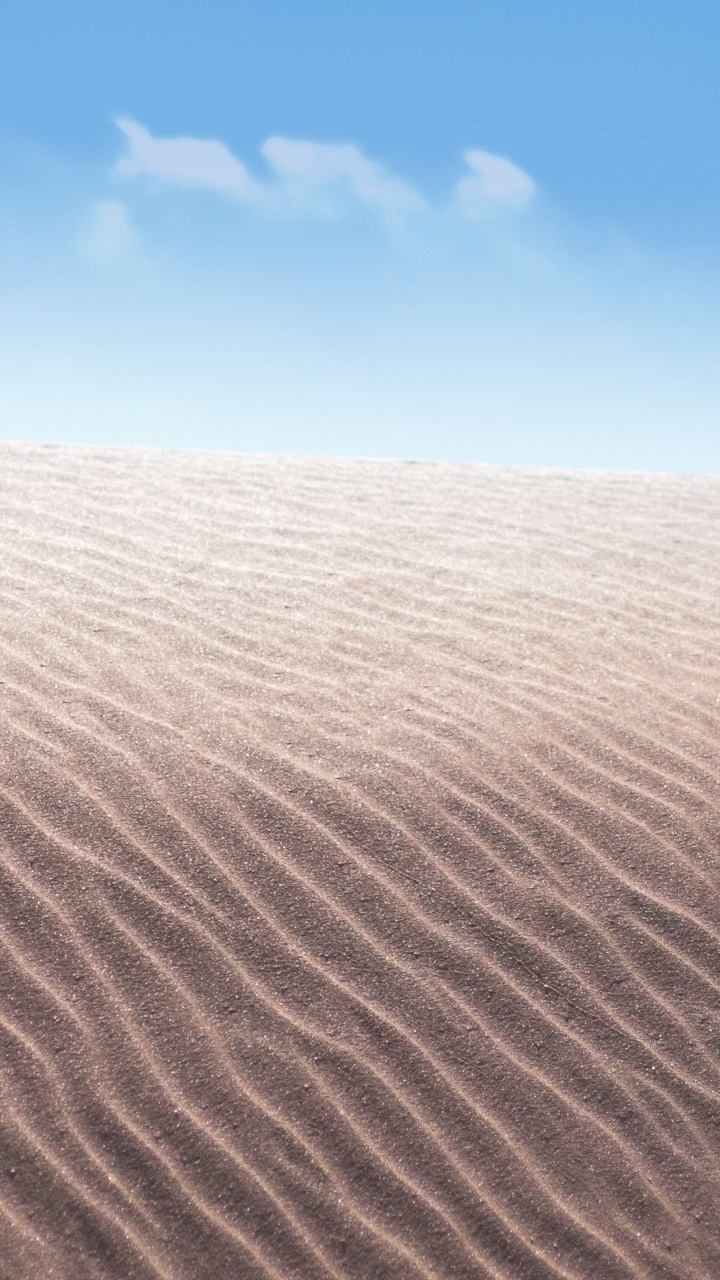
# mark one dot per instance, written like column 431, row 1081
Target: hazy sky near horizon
column 465, row 231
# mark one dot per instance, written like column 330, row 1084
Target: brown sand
column 359, row 864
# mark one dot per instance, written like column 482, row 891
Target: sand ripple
column 359, row 830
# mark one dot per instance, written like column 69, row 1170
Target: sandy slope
column 359, row 863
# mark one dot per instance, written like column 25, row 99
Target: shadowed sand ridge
column 359, row 864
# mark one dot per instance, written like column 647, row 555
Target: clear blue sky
column 482, row 231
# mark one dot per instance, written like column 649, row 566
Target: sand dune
column 359, row 864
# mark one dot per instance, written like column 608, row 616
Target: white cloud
column 109, row 231
column 191, row 162
column 322, row 177
column 494, row 183
column 316, row 178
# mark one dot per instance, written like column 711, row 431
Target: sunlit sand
column 359, row 832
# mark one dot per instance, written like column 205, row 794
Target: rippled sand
column 359, row 863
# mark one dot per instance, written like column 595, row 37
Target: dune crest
column 359, row 864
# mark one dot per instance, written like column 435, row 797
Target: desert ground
column 359, row 868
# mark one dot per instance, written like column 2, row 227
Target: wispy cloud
column 316, row 178
column 188, row 162
column 493, row 182
column 322, row 178
column 109, row 232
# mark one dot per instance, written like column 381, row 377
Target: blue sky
column 483, row 232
